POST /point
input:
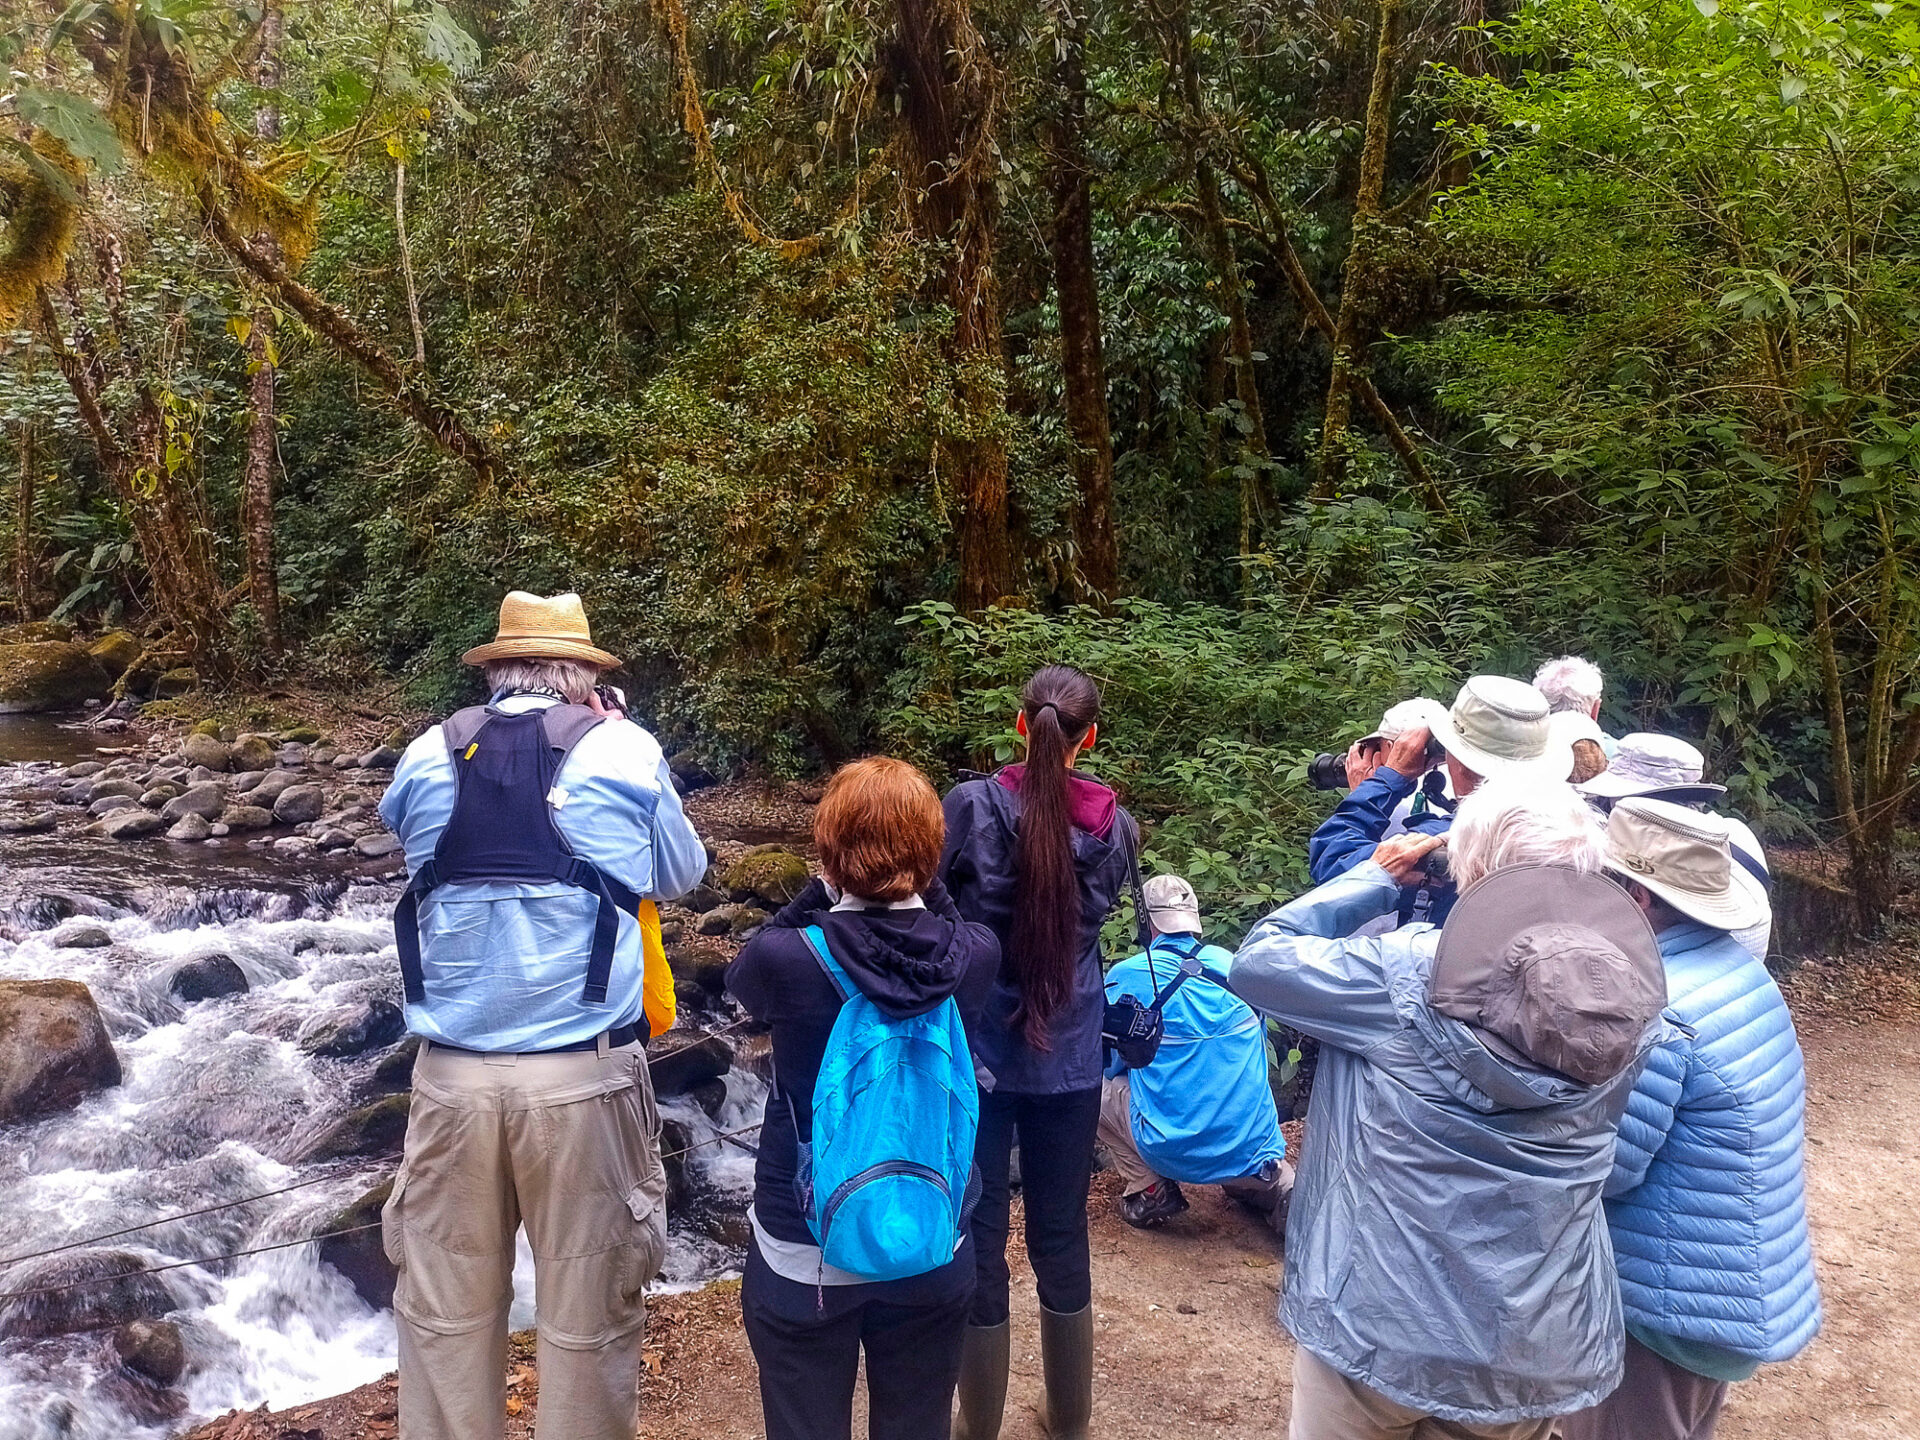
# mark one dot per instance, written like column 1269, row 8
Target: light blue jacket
column 1708, row 1197
column 505, row 964
column 1202, row 1112
column 1446, row 1245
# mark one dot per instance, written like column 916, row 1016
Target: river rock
column 82, row 935
column 704, row 965
column 333, row 839
column 367, row 1025
column 372, row 1130
column 115, row 651
column 717, row 921
column 48, row 675
column 172, row 684
column 299, row 804
column 190, row 827
column 361, row 1257
column 152, row 1349
column 376, row 847
column 54, row 1049
column 689, row 774
column 710, row 1096
column 677, row 1071
column 301, row 735
column 675, row 1137
column 107, row 804
column 116, row 1294
column 85, row 768
column 34, row 822
column 159, row 795
column 207, row 977
column 206, row 800
column 702, row 898
column 768, row 874
column 292, row 756
column 246, row 817
column 394, row 1072
column 128, row 824
column 35, row 632
column 207, row 750
column 246, row 780
column 253, row 752
column 106, row 788
column 272, row 786
column 384, row 758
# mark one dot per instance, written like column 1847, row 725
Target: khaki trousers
column 1116, row 1133
column 569, row 1146
column 1329, row 1406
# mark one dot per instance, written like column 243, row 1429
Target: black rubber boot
column 1066, row 1360
column 983, row 1381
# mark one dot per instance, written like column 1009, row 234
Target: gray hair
column 1570, row 683
column 572, row 678
column 1508, row 821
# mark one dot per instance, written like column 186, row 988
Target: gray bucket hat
column 1499, row 727
column 1556, row 967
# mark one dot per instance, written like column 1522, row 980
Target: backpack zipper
column 882, row 1171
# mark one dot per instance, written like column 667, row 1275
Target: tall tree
column 256, row 486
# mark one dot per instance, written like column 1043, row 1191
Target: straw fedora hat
column 535, row 627
column 1499, row 727
column 1686, row 859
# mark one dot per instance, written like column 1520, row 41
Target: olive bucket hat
column 1499, row 727
column 1686, row 859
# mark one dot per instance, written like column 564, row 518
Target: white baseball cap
column 1408, row 715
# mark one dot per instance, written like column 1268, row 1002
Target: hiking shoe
column 1161, row 1200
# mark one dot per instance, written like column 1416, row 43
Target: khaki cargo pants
column 568, row 1145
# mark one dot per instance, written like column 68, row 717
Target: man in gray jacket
column 1448, row 1268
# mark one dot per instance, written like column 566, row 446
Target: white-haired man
column 1448, row 1271
column 534, row 826
column 1574, row 685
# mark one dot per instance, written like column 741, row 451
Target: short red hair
column 879, row 830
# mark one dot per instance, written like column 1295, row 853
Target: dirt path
column 1188, row 1344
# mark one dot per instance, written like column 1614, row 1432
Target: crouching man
column 1200, row 1111
column 1448, row 1272
column 533, row 827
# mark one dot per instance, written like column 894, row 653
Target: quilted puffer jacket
column 1707, row 1201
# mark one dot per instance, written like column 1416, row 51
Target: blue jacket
column 1707, row 1202
column 1446, row 1244
column 505, row 964
column 1202, row 1112
column 983, row 821
column 1359, row 823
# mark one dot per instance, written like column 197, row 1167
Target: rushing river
column 217, row 1100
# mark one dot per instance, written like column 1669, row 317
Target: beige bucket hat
column 1172, row 905
column 1686, row 858
column 1499, row 726
column 537, row 627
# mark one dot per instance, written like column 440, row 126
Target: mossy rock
column 54, row 1048
column 172, row 684
column 372, row 1130
column 48, row 675
column 361, row 1256
column 207, row 727
column 301, row 735
column 35, row 632
column 115, row 651
column 772, row 876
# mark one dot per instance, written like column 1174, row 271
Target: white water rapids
column 216, row 1099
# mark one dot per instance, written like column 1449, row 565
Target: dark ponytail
column 1060, row 704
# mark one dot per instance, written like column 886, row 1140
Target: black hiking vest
column 502, row 829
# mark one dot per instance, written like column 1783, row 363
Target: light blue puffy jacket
column 1707, row 1202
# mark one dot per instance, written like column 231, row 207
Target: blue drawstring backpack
column 887, row 1183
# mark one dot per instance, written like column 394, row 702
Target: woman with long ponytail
column 1039, row 853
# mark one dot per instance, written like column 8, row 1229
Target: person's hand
column 1408, row 754
column 1362, row 760
column 1400, row 856
column 600, row 707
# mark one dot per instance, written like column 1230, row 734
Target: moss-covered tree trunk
column 26, row 579
column 256, row 485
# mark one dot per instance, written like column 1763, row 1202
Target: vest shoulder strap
column 459, row 728
column 566, row 726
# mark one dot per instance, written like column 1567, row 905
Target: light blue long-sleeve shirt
column 505, row 964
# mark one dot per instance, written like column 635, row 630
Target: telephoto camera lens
column 1327, row 771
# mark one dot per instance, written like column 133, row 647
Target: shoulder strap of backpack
column 567, row 725
column 817, row 942
column 461, row 728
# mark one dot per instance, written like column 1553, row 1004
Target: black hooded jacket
column 905, row 961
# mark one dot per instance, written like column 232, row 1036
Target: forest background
column 1272, row 360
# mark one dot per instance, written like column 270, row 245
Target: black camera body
column 1328, row 771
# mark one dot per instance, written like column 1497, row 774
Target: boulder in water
column 107, row 789
column 675, row 1138
column 207, row 977
column 156, row 796
column 395, row 1070
column 271, row 786
column 376, row 847
column 208, row 750
column 333, row 839
column 48, row 675
column 710, row 1096
column 82, row 935
column 34, row 822
column 206, row 800
column 372, row 1130
column 369, row 1025
column 299, row 804
column 54, row 1049
column 769, row 874
column 705, row 965
column 245, row 817
column 677, row 1071
column 107, row 804
column 190, row 827
column 107, row 1288
column 253, row 752
column 152, row 1349
column 128, row 824
column 362, row 1256
column 115, row 651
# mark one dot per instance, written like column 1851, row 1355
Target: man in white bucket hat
column 1496, row 727
column 1706, row 1204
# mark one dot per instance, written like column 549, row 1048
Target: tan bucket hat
column 536, row 627
column 1686, row 858
column 1555, row 966
column 1172, row 905
column 1499, row 726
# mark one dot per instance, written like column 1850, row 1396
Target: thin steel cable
column 183, row 1264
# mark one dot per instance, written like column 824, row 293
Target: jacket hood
column 1091, row 805
column 905, row 961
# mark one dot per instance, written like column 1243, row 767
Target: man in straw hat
column 1448, row 1272
column 534, row 826
column 1496, row 728
column 1706, row 1203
